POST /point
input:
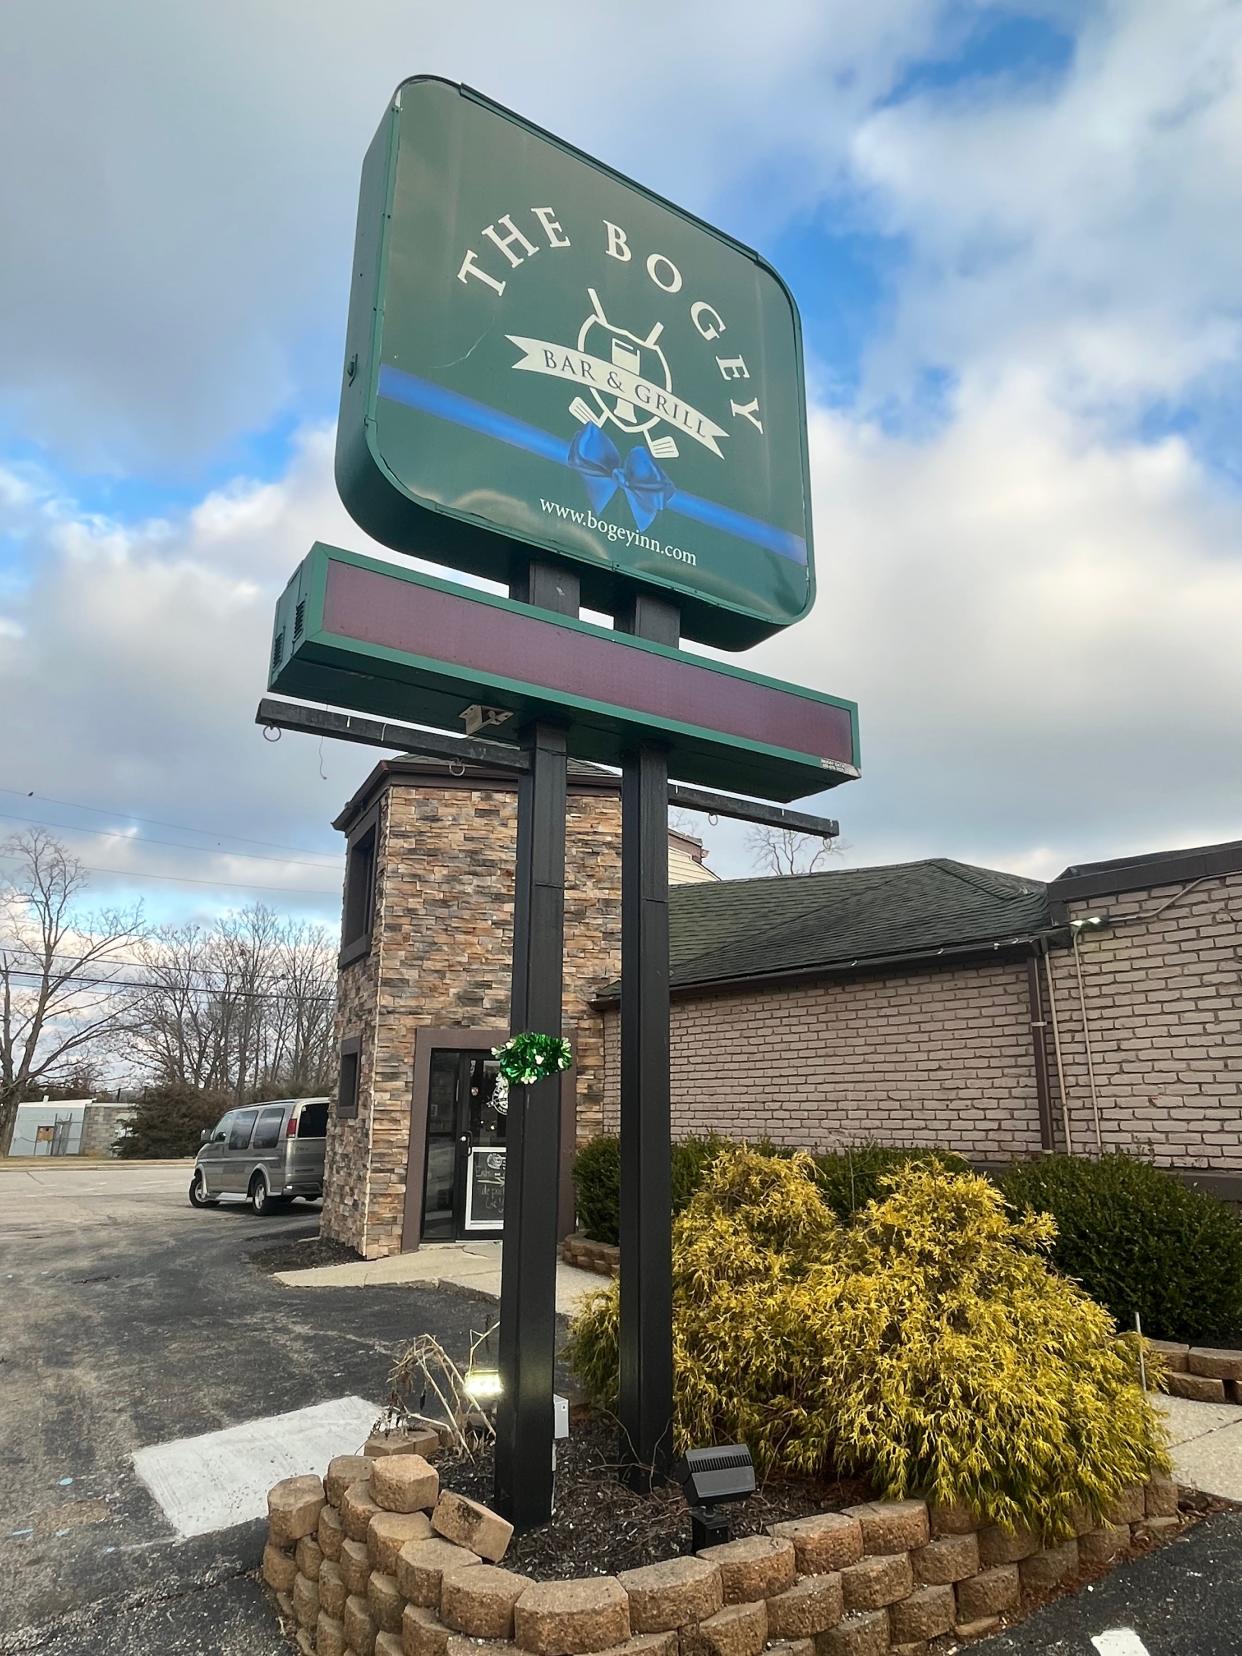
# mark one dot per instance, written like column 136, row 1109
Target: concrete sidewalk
column 1206, row 1441
column 474, row 1265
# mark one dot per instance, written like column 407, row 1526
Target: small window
column 270, row 1125
column 220, row 1132
column 313, row 1118
column 359, row 908
column 347, row 1088
column 239, row 1131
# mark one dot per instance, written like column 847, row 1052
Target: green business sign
column 542, row 353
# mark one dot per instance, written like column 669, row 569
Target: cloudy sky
column 1012, row 231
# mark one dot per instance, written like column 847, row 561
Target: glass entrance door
column 464, row 1194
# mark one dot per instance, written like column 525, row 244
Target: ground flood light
column 708, row 1478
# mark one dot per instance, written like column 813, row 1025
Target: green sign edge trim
column 315, row 566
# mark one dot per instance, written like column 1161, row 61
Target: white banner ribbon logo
column 565, row 363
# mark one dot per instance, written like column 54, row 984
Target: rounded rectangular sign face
column 544, row 357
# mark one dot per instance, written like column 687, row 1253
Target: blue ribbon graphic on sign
column 437, row 400
column 597, row 460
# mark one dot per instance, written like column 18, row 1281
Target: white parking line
column 1120, row 1641
column 222, row 1478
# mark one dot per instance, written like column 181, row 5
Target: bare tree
column 244, row 1008
column 784, row 851
column 64, row 995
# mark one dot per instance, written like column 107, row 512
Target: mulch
column 301, row 1256
column 600, row 1525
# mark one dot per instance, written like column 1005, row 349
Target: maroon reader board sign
column 356, row 632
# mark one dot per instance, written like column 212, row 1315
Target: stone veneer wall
column 1163, row 990
column 440, row 957
column 940, row 1058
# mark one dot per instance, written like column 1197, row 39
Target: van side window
column 267, row 1132
column 313, row 1121
column 221, row 1129
column 239, row 1133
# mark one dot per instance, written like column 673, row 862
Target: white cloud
column 185, row 177
column 1080, row 226
column 136, row 658
column 1036, row 612
column 1040, row 628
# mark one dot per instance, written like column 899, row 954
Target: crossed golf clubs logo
column 593, row 454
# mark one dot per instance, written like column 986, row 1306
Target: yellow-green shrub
column 928, row 1346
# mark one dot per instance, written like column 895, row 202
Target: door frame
column 426, row 1041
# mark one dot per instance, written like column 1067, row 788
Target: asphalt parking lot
column 127, row 1319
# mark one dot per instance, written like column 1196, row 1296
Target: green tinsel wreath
column 527, row 1058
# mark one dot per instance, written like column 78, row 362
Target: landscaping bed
column 600, row 1525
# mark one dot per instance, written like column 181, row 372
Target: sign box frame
column 445, row 452
column 359, row 632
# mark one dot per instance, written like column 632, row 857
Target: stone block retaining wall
column 376, row 1560
column 604, row 1258
column 1201, row 1372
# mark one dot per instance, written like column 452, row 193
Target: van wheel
column 261, row 1198
column 198, row 1192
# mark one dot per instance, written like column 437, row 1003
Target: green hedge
column 1139, row 1240
column 847, row 1179
column 168, row 1121
column 597, row 1179
column 597, row 1186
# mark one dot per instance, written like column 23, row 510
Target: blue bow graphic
column 597, row 460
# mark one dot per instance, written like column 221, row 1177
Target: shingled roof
column 844, row 919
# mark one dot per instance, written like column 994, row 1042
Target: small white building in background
column 687, row 859
column 68, row 1127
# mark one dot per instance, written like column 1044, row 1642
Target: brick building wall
column 941, row 1058
column 944, row 1056
column 1162, row 982
column 440, row 956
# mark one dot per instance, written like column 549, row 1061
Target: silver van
column 265, row 1153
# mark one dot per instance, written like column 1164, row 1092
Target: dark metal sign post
column 527, row 1355
column 645, row 1396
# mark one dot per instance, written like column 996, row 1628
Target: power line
column 189, row 988
column 187, row 879
column 152, row 822
column 134, row 965
column 148, row 839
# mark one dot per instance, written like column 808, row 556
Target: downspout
column 1047, row 1141
column 1076, row 928
column 1056, row 1048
